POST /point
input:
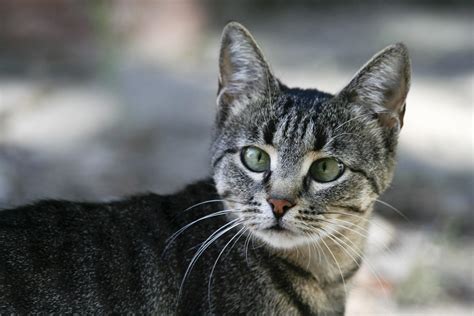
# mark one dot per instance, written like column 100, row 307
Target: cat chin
column 281, row 239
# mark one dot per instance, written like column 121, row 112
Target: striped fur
column 359, row 126
column 209, row 249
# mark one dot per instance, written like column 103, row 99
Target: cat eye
column 255, row 159
column 326, row 169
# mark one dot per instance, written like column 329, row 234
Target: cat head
column 289, row 162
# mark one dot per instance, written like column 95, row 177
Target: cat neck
column 331, row 258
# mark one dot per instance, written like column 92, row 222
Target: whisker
column 345, row 213
column 309, row 255
column 315, row 246
column 361, row 218
column 235, row 242
column 173, row 237
column 203, row 203
column 338, row 242
column 297, row 252
column 337, row 264
column 357, row 117
column 355, row 231
column 350, row 250
column 246, row 246
column 258, row 246
column 319, row 249
column 394, row 209
column 217, row 260
column 334, row 137
column 335, row 238
column 348, row 227
column 370, row 266
column 212, row 238
column 367, row 262
column 346, row 122
column 315, row 242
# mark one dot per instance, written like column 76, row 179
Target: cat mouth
column 278, row 228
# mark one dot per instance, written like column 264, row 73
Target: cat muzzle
column 280, row 206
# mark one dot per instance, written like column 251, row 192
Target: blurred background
column 100, row 99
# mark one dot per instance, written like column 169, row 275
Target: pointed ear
column 383, row 84
column 244, row 75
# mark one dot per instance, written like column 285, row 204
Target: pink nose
column 280, row 207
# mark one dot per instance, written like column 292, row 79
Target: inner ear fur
column 244, row 74
column 383, row 84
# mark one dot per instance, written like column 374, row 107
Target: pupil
column 324, row 166
column 259, row 156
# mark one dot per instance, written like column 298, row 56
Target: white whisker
column 246, row 246
column 355, row 231
column 173, row 237
column 202, row 203
column 371, row 267
column 393, row 208
column 362, row 219
column 212, row 238
column 338, row 266
column 309, row 256
column 239, row 233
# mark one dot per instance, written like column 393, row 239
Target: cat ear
column 244, row 75
column 383, row 84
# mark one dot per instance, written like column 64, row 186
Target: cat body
column 111, row 257
column 279, row 229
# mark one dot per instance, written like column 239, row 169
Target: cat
column 278, row 228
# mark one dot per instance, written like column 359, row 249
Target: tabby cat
column 279, row 228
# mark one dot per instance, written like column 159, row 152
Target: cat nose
column 280, row 206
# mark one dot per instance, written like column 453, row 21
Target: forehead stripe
column 269, row 132
column 285, row 126
column 295, row 125
column 304, row 126
column 286, row 107
column 320, row 141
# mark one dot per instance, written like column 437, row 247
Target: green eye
column 326, row 169
column 255, row 159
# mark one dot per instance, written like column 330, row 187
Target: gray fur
column 118, row 257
